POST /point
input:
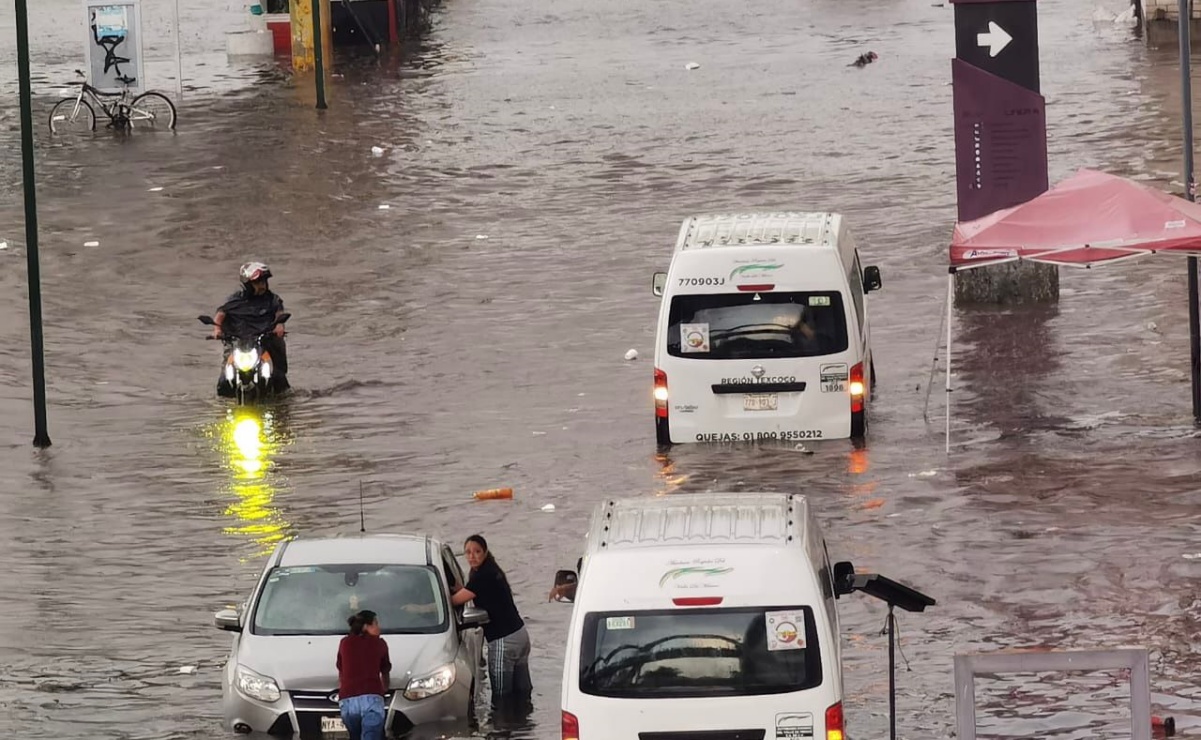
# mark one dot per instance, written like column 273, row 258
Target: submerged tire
column 858, row 424
column 662, row 432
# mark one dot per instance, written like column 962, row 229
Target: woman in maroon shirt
column 363, row 669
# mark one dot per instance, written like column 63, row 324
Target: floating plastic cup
column 256, row 9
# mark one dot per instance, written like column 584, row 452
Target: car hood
column 306, row 663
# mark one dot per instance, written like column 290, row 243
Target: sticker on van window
column 794, row 725
column 834, row 378
column 785, row 630
column 819, row 300
column 694, row 337
column 619, row 623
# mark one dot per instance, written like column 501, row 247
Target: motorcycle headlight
column 257, row 687
column 431, row 685
column 245, row 360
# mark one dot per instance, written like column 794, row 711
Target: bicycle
column 148, row 110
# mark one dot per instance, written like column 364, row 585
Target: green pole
column 41, row 437
column 319, row 55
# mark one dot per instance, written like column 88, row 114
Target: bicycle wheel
column 153, row 111
column 67, row 117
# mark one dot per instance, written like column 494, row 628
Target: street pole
column 178, row 54
column 1186, row 103
column 319, row 55
column 41, row 437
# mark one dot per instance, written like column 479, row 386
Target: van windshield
column 678, row 653
column 754, row 326
column 317, row 599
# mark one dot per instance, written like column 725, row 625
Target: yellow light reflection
column 248, row 441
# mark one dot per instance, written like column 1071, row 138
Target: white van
column 763, row 331
column 707, row 615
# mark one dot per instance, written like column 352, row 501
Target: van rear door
column 748, row 365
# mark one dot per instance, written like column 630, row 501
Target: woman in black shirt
column 508, row 641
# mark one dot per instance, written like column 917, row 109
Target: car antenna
column 362, row 518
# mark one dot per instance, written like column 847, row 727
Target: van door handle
column 723, row 388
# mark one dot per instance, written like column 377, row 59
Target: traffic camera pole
column 41, row 437
column 1190, row 187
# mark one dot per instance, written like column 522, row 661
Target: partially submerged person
column 363, row 674
column 508, row 640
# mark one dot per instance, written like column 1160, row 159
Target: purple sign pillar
column 1000, row 135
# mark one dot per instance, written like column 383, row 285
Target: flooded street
column 539, row 159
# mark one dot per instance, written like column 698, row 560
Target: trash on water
column 156, row 189
column 803, row 449
column 1192, row 556
column 481, row 236
column 187, row 669
column 384, row 206
column 632, row 354
column 548, row 507
column 493, row 494
column 692, row 65
column 91, row 244
column 3, row 245
column 377, row 151
column 924, row 474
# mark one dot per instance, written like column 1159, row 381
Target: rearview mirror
column 207, row 320
column 228, row 620
column 473, row 617
column 658, row 283
column 565, row 585
column 283, row 317
column 871, row 279
column 844, row 578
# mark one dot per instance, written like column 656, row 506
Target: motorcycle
column 248, row 366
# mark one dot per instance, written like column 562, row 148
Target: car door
column 471, row 641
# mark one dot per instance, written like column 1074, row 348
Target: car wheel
column 662, row 432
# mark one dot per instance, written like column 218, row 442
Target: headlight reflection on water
column 249, row 441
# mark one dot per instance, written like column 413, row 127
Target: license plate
column 333, row 726
column 760, row 402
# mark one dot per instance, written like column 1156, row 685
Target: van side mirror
column 473, row 616
column 207, row 320
column 844, row 578
column 658, row 283
column 283, row 318
column 871, row 279
column 228, row 620
column 565, row 586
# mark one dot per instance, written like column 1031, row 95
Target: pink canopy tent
column 1091, row 218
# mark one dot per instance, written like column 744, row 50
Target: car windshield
column 699, row 652
column 755, row 326
column 317, row 599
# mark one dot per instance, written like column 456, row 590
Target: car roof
column 759, row 229
column 400, row 549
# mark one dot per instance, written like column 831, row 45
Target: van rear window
column 707, row 652
column 756, row 326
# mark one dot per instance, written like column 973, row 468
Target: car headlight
column 245, row 360
column 432, row 684
column 257, row 687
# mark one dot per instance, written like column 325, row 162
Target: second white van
column 763, row 331
column 706, row 615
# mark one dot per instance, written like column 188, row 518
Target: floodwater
column 431, row 361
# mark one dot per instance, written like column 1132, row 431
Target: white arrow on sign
column 996, row 39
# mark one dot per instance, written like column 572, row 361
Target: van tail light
column 834, row 728
column 571, row 727
column 857, row 387
column 660, row 394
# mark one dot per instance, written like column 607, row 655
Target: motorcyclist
column 250, row 312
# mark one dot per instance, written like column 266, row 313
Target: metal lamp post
column 1186, row 102
column 41, row 437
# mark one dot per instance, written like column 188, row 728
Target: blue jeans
column 364, row 716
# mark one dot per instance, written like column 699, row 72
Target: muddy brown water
column 430, row 361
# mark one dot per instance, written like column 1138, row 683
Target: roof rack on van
column 741, row 518
column 739, row 229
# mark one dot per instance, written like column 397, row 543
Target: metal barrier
column 967, row 667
